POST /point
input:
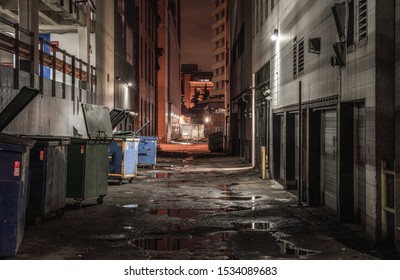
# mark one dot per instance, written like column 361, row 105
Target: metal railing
column 56, row 60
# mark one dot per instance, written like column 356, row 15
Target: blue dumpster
column 122, row 158
column 14, row 165
column 47, row 177
column 147, row 155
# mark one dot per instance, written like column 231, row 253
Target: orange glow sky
column 197, row 33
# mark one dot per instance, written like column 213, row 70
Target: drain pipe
column 300, row 156
column 253, row 122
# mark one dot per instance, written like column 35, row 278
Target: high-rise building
column 169, row 81
column 220, row 40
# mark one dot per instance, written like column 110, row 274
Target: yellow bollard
column 263, row 163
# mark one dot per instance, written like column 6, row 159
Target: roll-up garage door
column 328, row 159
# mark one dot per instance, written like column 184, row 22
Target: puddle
column 193, row 213
column 163, row 175
column 177, row 213
column 238, row 198
column 234, row 208
column 130, row 206
column 253, row 226
column 289, row 249
column 231, row 193
column 110, row 237
column 177, row 243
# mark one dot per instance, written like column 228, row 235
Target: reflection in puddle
column 253, row 226
column 192, row 213
column 176, row 213
column 163, row 175
column 177, row 243
column 238, row 198
column 288, row 248
column 130, row 206
column 110, row 237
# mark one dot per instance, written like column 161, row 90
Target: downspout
column 253, row 121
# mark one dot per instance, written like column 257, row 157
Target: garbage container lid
column 49, row 141
column 15, row 140
column 98, row 122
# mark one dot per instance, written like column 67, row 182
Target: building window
column 362, row 22
column 141, row 50
column 301, row 58
column 350, row 26
column 146, row 64
column 298, row 58
column 295, row 58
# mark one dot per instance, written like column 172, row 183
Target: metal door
column 329, row 159
column 282, row 147
column 359, row 163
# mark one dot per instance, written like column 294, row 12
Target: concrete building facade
column 169, row 83
column 30, row 25
column 333, row 61
column 147, row 32
column 240, row 136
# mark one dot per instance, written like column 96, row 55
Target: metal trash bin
column 14, row 165
column 123, row 158
column 47, row 177
column 87, row 168
column 216, row 142
column 147, row 150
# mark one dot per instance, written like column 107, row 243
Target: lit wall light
column 275, row 35
column 127, row 84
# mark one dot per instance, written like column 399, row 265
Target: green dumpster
column 87, row 170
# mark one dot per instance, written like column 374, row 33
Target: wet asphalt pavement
column 195, row 205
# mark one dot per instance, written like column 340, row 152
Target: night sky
column 197, row 33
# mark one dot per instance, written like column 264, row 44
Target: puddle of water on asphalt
column 163, row 175
column 192, row 213
column 176, row 213
column 234, row 208
column 253, row 226
column 231, row 193
column 130, row 206
column 110, row 237
column 175, row 243
column 288, row 248
column 237, row 198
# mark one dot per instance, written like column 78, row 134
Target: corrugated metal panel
column 328, row 159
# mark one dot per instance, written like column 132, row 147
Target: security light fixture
column 275, row 35
column 314, row 45
column 127, row 84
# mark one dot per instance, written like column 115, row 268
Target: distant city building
column 192, row 80
column 220, row 65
